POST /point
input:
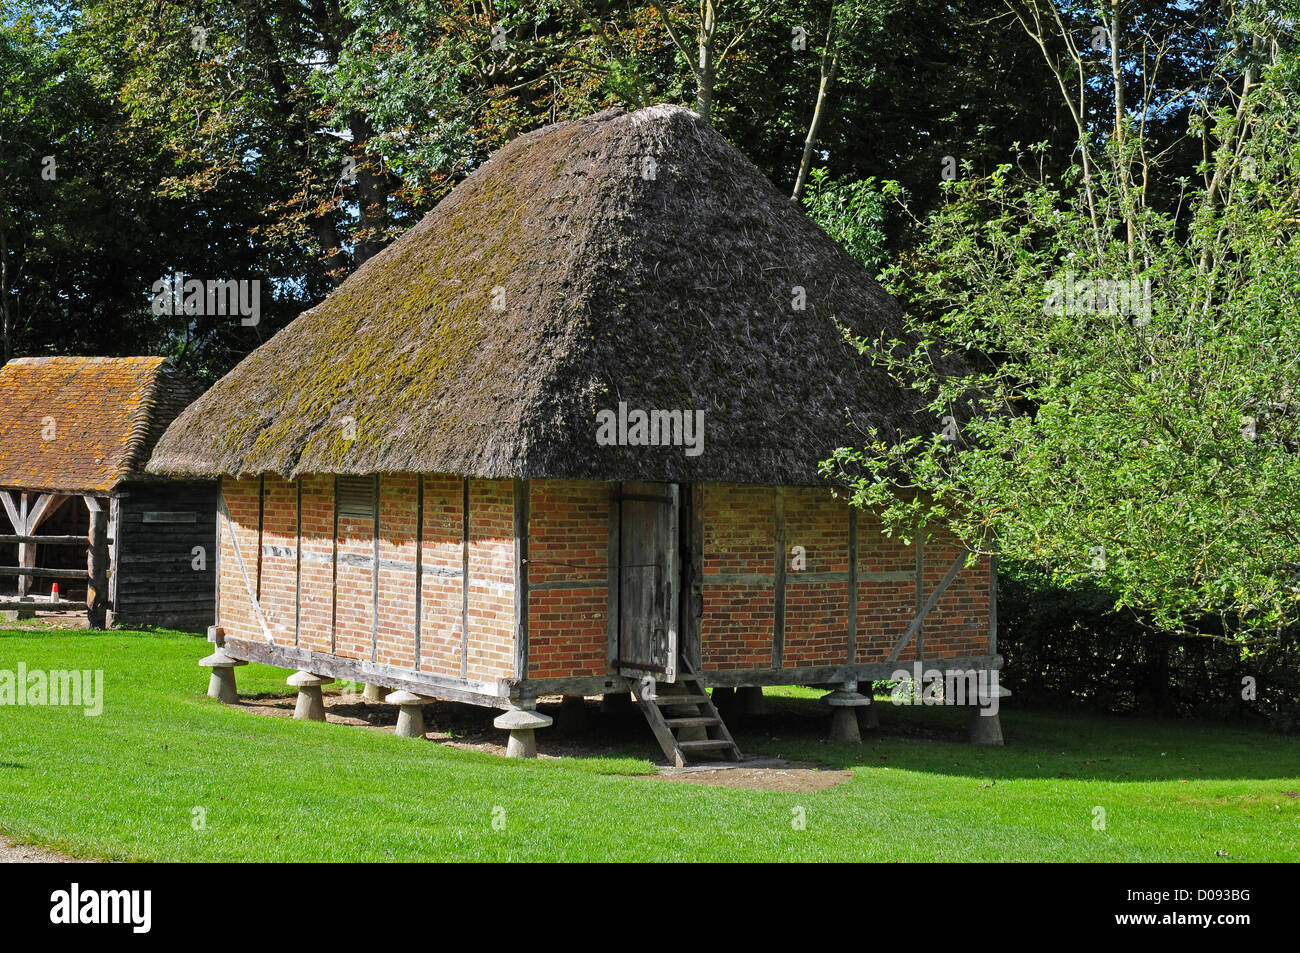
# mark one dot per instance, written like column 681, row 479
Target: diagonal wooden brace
column 930, row 603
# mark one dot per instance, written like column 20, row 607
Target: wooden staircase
column 691, row 707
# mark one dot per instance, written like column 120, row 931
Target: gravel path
column 11, row 853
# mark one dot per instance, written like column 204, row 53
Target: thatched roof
column 84, row 424
column 634, row 257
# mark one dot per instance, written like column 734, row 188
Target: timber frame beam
column 26, row 515
column 919, row 619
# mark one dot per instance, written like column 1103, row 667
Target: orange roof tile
column 84, row 424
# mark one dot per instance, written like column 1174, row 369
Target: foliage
column 1067, row 648
column 1129, row 409
column 852, row 213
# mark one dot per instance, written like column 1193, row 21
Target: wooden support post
column 612, row 556
column 993, row 605
column 97, row 563
column 920, row 594
column 695, row 608
column 778, row 599
column 26, row 551
column 26, row 515
column 853, row 585
column 464, row 579
column 521, row 493
column 114, row 551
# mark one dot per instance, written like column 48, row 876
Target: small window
column 356, row 497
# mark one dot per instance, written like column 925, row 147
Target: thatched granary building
column 564, row 434
column 79, row 511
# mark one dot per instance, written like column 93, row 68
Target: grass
column 130, row 783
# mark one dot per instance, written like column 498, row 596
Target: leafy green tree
column 1127, row 406
column 852, row 213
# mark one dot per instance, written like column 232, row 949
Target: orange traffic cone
column 54, row 592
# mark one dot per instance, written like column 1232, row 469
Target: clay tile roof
column 628, row 257
column 84, row 424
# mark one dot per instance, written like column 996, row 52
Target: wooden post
column 778, row 622
column 26, row 551
column 114, row 553
column 521, row 490
column 97, row 563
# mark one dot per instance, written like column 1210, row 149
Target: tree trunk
column 704, row 73
column 336, row 259
column 6, row 316
column 814, row 127
column 372, row 194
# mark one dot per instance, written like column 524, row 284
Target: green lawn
column 125, row 784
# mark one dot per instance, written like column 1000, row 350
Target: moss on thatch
column 642, row 259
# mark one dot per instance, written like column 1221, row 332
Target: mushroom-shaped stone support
column 749, row 699
column 868, row 716
column 311, row 704
column 521, row 723
column 373, row 693
column 985, row 726
column 221, row 685
column 410, row 716
column 844, row 716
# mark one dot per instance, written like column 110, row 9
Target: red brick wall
column 816, row 612
column 355, row 588
column 568, row 544
column 885, row 606
column 316, row 599
column 958, row 626
column 737, row 623
column 440, row 596
column 398, row 524
column 278, row 584
column 568, row 628
column 739, row 538
column 491, row 579
column 235, row 608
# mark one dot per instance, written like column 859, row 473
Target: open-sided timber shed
column 563, row 437
column 78, row 510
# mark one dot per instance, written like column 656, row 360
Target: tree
column 1127, row 409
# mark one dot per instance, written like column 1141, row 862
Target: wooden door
column 648, row 580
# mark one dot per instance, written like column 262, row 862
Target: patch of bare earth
column 44, row 621
column 792, row 777
column 585, row 734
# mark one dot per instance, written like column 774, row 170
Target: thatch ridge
column 643, row 259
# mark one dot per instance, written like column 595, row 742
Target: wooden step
column 711, row 743
column 680, row 699
column 695, row 694
column 693, row 722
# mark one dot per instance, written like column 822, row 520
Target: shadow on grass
column 1039, row 745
